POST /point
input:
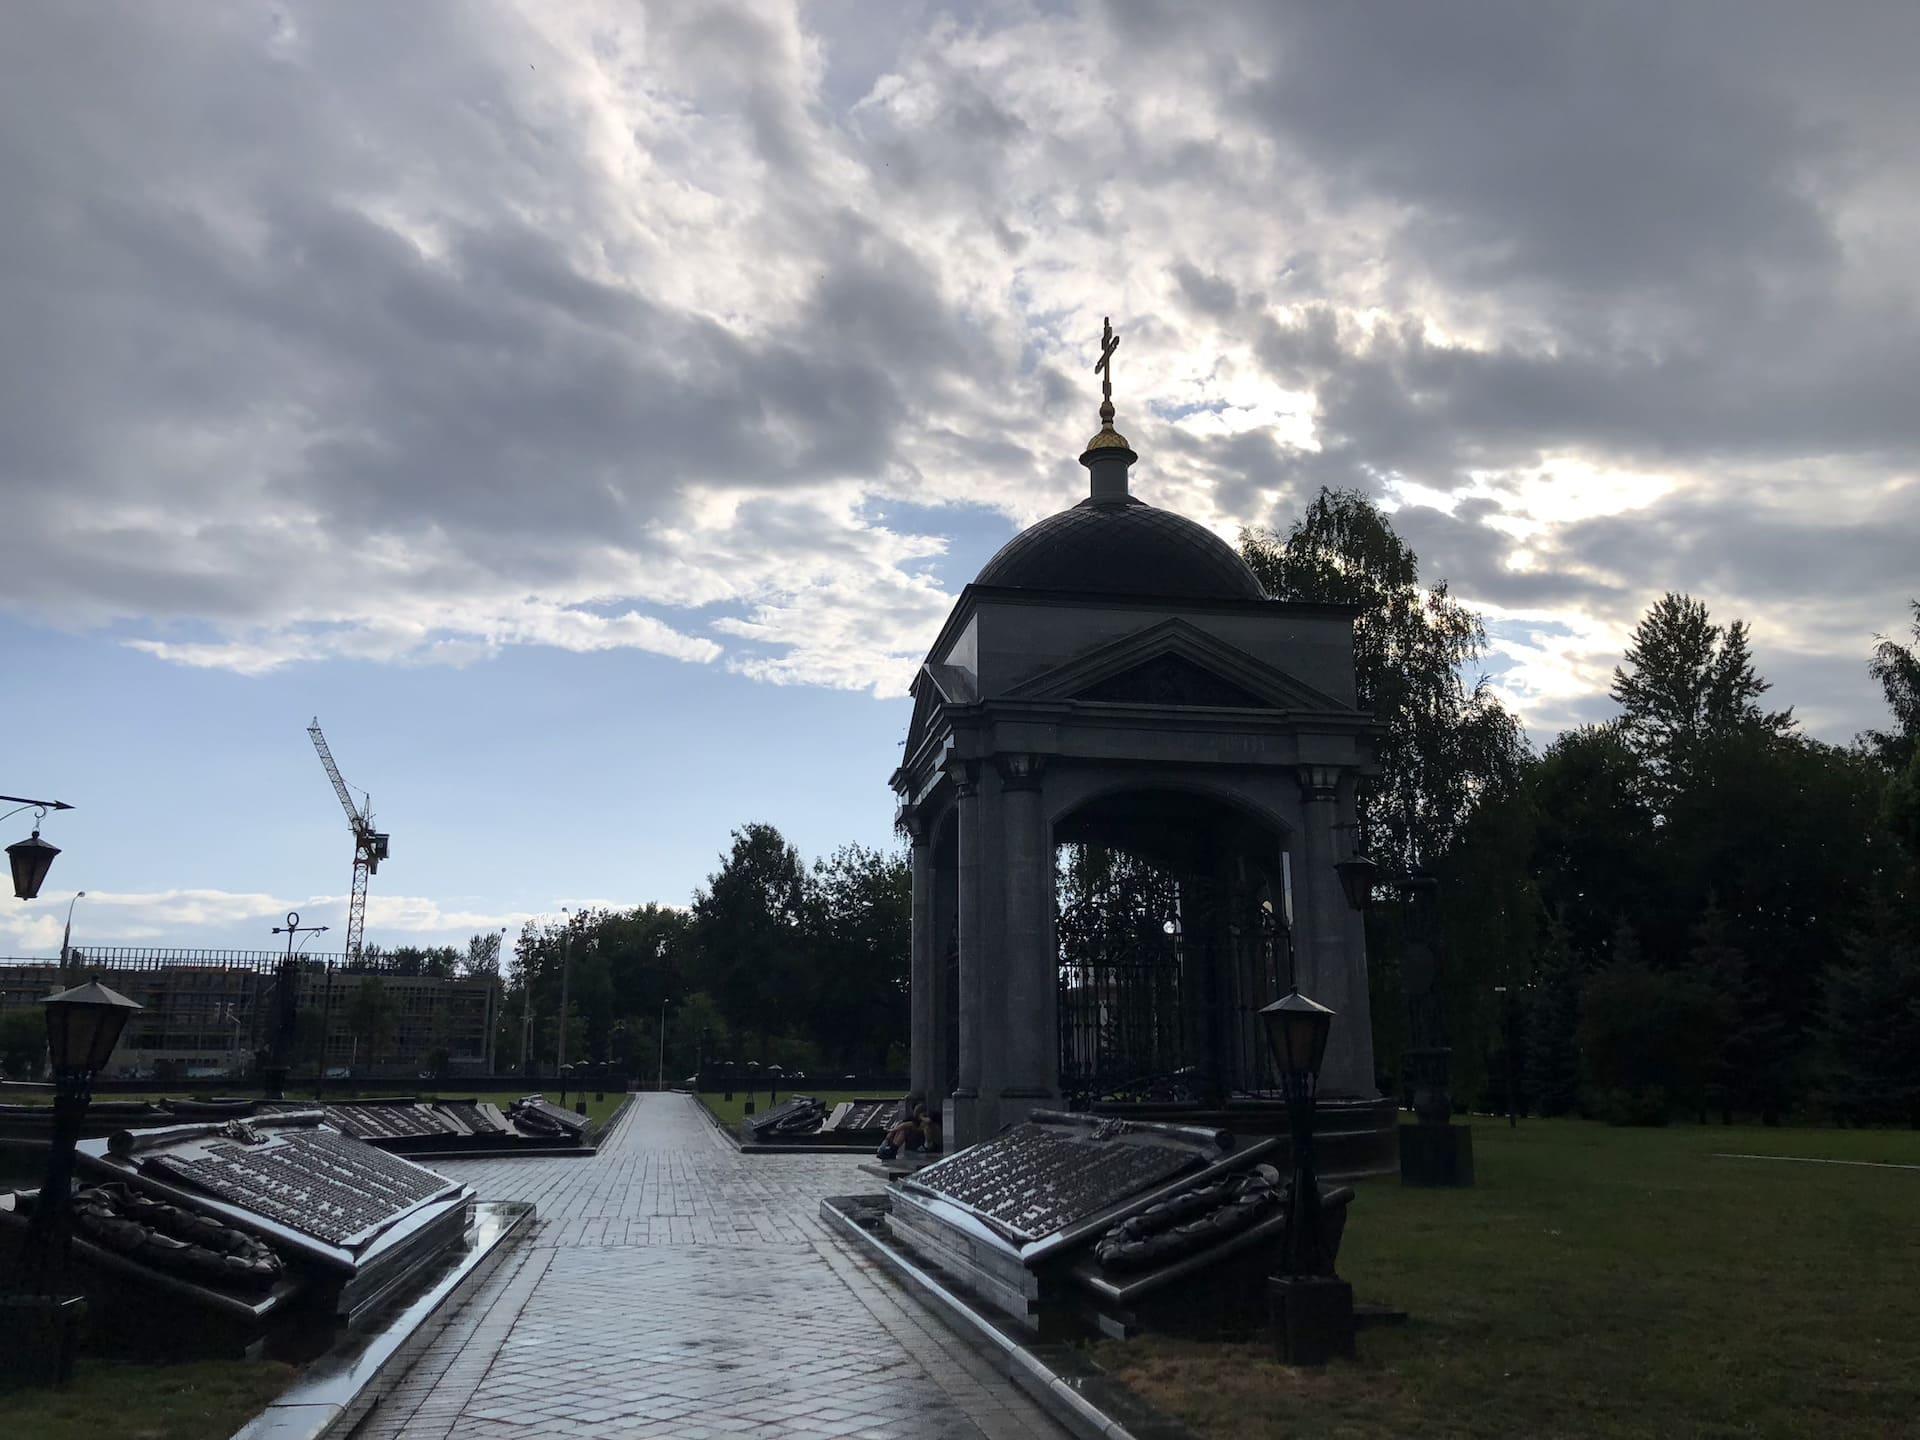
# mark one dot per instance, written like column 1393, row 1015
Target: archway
column 1172, row 926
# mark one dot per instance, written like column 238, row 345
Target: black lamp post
column 286, row 1010
column 1313, row 1307
column 83, row 1026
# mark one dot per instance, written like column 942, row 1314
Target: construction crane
column 369, row 844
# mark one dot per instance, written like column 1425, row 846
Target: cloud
column 409, row 337
column 243, row 920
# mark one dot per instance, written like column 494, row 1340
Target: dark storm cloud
column 1720, row 544
column 498, row 319
column 281, row 285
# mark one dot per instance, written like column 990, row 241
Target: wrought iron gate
column 1168, row 1013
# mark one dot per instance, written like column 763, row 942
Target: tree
column 1780, row 833
column 1751, row 1065
column 1870, row 1032
column 1594, row 844
column 23, row 1043
column 748, row 933
column 483, row 956
column 1897, row 668
column 1686, row 680
column 1443, row 743
column 1900, row 807
column 1490, row 907
column 1640, row 1034
column 1553, row 1027
column 860, row 923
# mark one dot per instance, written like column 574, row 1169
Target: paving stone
column 678, row 1289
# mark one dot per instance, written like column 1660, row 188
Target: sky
column 591, row 411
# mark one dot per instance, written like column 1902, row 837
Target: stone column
column 961, row 1118
column 1028, row 1073
column 1327, row 965
column 946, row 998
column 924, row 979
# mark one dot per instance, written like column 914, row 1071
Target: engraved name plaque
column 1037, row 1179
column 313, row 1181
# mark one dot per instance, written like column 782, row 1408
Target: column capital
column 1020, row 770
column 965, row 775
column 1320, row 783
column 912, row 820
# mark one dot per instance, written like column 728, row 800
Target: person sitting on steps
column 914, row 1130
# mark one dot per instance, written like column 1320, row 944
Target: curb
column 1074, row 1392
column 337, row 1391
column 619, row 1114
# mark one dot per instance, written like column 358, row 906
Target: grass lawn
column 1605, row 1282
column 109, row 1401
column 732, row 1112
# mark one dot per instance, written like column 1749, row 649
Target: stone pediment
column 1175, row 662
column 933, row 687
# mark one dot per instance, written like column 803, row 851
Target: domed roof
column 1122, row 546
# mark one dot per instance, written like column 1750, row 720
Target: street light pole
column 660, row 1079
column 566, row 977
column 273, row 1075
column 66, row 938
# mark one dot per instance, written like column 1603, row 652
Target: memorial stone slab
column 1016, row 1218
column 316, row 1181
column 797, row 1115
column 538, row 1116
column 368, row 1120
column 360, row 1222
column 854, row 1117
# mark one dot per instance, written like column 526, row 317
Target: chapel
column 1128, row 777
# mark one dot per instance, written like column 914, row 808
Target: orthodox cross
column 1103, row 367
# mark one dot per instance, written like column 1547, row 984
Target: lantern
column 83, row 1026
column 31, row 859
column 1357, row 878
column 1297, row 1030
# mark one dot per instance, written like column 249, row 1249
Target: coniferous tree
column 1750, row 1068
column 1687, row 680
column 1553, row 1027
column 1641, row 1033
column 1870, row 1040
column 1594, row 852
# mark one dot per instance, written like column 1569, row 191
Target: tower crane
column 369, row 844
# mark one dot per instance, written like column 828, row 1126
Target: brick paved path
column 676, row 1288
